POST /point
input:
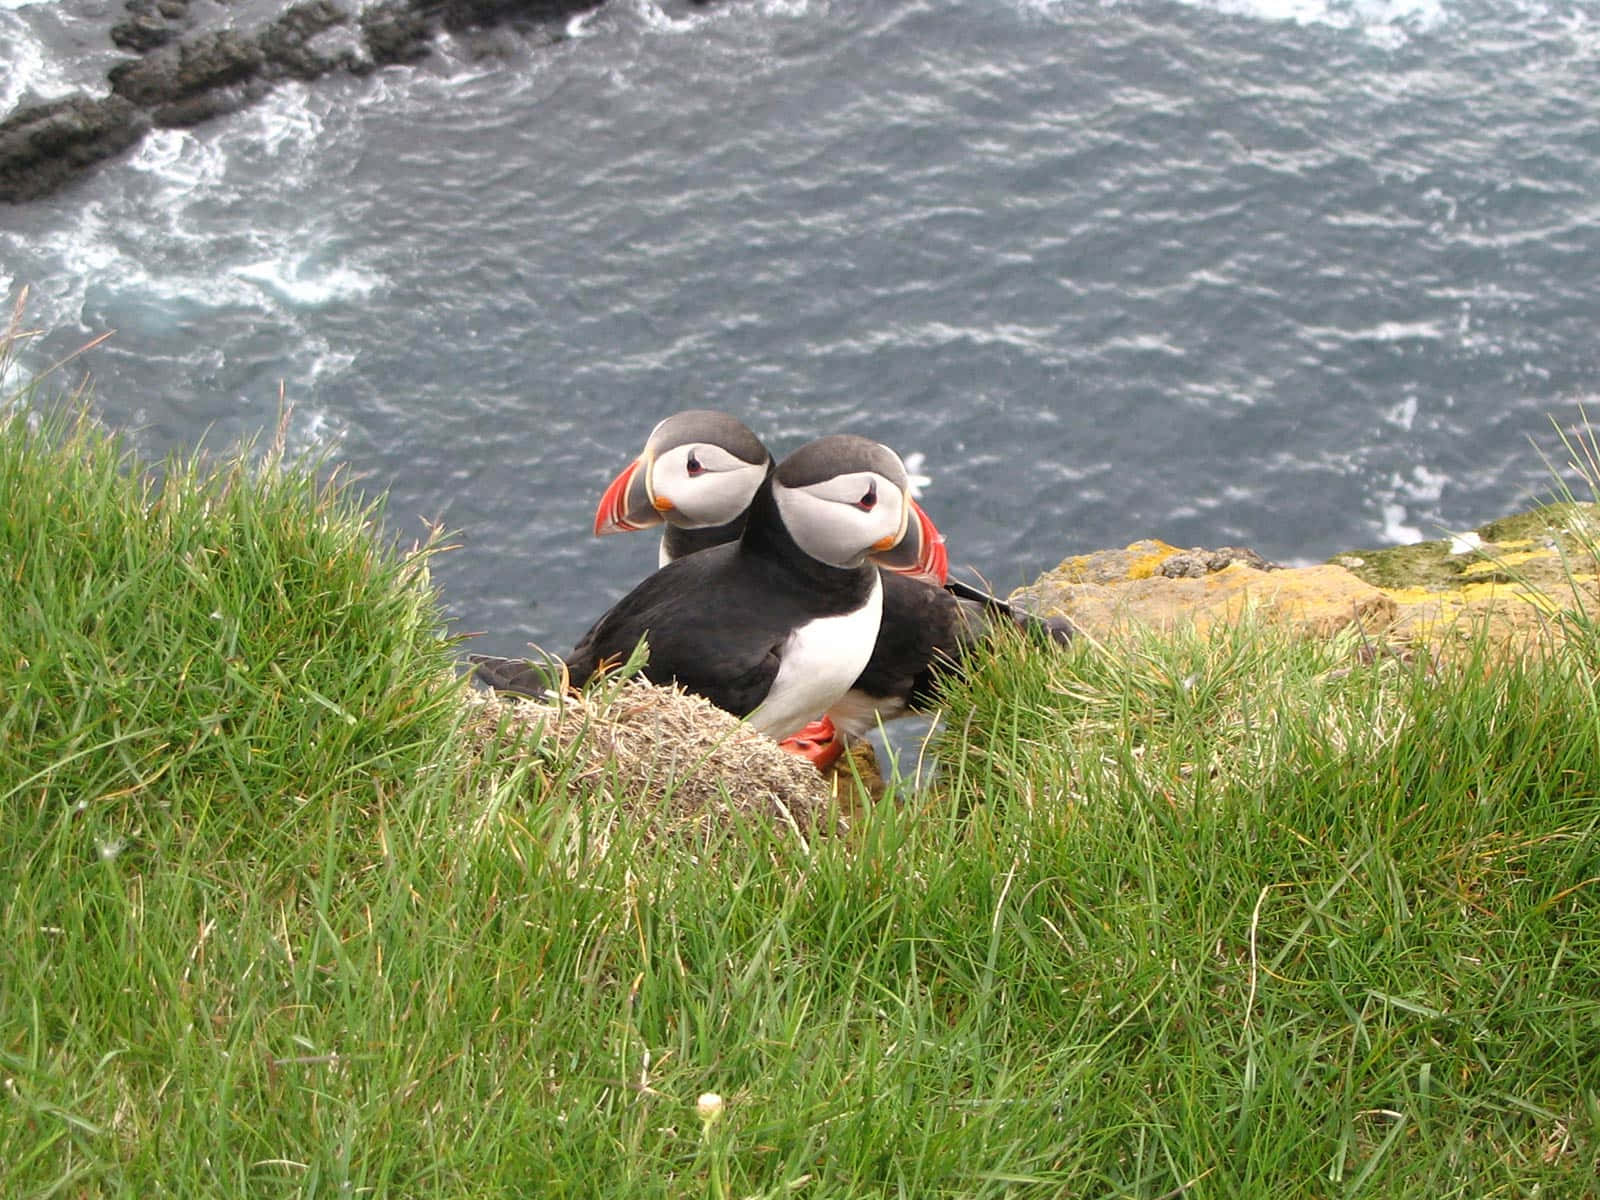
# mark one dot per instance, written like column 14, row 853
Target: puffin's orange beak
column 626, row 504
column 920, row 553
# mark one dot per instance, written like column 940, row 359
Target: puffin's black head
column 699, row 468
column 844, row 498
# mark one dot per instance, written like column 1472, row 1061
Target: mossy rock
column 1539, row 548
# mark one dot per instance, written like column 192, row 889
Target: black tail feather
column 1050, row 629
column 516, row 676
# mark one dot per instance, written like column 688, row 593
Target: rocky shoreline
column 197, row 59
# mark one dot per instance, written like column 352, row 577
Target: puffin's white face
column 699, row 468
column 842, row 519
column 700, row 484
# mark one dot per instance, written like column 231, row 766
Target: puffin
column 696, row 476
column 776, row 625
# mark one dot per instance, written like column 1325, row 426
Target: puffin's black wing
column 517, row 676
column 925, row 630
column 710, row 624
column 928, row 631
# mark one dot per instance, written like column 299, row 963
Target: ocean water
column 1301, row 275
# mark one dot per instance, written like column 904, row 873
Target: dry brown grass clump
column 670, row 760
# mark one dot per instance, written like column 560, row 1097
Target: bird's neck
column 677, row 542
column 767, row 539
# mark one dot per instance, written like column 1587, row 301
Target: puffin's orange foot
column 818, row 743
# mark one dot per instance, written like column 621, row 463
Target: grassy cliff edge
column 1225, row 915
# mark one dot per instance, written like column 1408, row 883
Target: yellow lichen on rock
column 1140, row 560
column 1512, row 579
column 1314, row 600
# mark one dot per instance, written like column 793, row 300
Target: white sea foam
column 1423, row 487
column 1395, row 530
column 1376, row 18
column 314, row 429
column 657, row 18
column 578, row 24
column 917, row 478
column 1387, row 23
column 285, row 125
column 180, row 162
column 29, row 71
column 103, row 260
column 1403, row 414
column 304, row 285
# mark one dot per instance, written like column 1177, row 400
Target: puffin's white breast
column 818, row 663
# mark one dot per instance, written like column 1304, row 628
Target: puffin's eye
column 870, row 500
column 694, row 465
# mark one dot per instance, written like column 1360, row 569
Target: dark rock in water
column 202, row 106
column 197, row 64
column 287, row 43
column 44, row 146
column 142, row 34
column 151, row 24
column 468, row 14
column 185, row 78
column 392, row 33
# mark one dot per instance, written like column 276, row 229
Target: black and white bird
column 777, row 625
column 696, row 475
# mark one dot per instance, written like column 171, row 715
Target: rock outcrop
column 44, row 146
column 1154, row 585
column 195, row 63
column 1511, row 579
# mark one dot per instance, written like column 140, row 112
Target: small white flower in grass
column 109, row 848
column 709, row 1106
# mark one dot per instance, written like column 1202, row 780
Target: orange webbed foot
column 818, row 743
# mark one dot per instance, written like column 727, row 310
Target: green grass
column 1209, row 917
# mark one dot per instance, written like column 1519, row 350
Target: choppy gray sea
column 1302, row 275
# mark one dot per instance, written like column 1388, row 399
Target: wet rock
column 150, row 24
column 202, row 106
column 197, row 64
column 392, row 33
column 142, row 34
column 290, row 44
column 186, row 77
column 469, row 14
column 44, row 146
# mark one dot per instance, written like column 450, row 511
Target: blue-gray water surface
column 1301, row 275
